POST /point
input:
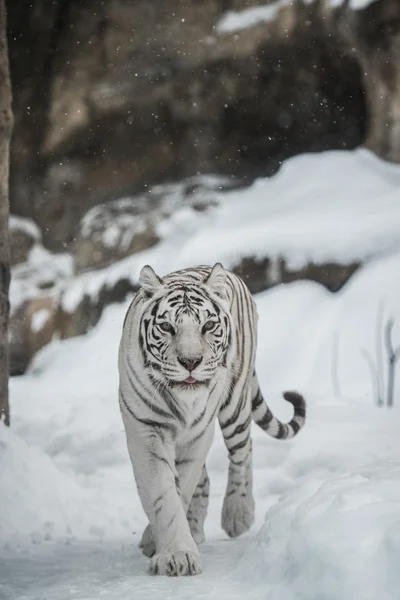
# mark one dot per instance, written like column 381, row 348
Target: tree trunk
column 5, row 137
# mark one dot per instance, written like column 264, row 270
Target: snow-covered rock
column 114, row 230
column 24, row 234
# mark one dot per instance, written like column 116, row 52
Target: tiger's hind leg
column 197, row 511
column 238, row 507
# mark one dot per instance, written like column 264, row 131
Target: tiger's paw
column 175, row 564
column 147, row 543
column 237, row 514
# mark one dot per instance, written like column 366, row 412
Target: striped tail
column 270, row 424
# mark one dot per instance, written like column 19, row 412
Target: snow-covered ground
column 328, row 502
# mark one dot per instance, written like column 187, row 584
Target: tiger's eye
column 167, row 327
column 208, row 325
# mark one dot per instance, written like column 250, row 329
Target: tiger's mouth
column 188, row 383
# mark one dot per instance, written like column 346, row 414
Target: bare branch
column 374, row 376
column 388, row 337
column 379, row 351
column 392, row 357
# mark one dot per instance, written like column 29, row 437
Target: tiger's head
column 185, row 327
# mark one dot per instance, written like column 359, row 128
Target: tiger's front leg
column 196, row 514
column 158, row 487
column 194, row 486
column 194, row 481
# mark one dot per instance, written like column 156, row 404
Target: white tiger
column 186, row 357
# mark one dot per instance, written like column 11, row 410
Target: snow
column 44, row 274
column 311, row 319
column 343, row 208
column 115, row 223
column 346, row 531
column 327, row 502
column 359, row 4
column 27, row 226
column 54, row 510
column 39, row 319
column 354, row 4
column 233, row 21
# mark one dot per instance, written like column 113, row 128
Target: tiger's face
column 185, row 329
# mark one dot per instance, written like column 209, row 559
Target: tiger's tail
column 270, row 424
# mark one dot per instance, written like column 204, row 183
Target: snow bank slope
column 336, row 538
column 40, row 503
column 339, row 206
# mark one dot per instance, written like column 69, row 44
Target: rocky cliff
column 112, row 96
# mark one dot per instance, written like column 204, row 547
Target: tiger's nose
column 190, row 363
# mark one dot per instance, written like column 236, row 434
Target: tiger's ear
column 216, row 281
column 149, row 281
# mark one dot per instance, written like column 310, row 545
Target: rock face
column 261, row 275
column 39, row 320
column 110, row 97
